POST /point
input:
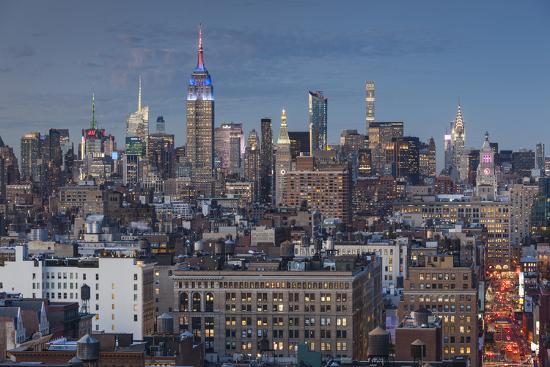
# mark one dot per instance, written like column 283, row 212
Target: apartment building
column 450, row 293
column 117, row 290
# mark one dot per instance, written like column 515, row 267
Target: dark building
column 403, row 158
column 540, row 215
column 473, row 162
column 266, row 161
column 160, row 151
column 523, row 161
column 299, row 143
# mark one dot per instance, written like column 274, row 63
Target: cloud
column 18, row 52
column 5, row 69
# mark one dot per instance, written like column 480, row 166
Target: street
column 505, row 344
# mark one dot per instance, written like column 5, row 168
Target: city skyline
column 409, row 63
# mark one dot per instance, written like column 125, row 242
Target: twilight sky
column 265, row 55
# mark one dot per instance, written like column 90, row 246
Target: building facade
column 235, row 311
column 451, row 293
column 200, row 125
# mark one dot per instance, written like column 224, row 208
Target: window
column 196, row 304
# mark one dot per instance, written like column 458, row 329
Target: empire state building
column 200, row 126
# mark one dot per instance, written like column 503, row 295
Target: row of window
column 264, row 285
column 279, row 321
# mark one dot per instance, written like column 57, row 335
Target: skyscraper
column 380, row 134
column 369, row 100
column 200, row 125
column 31, row 148
column 229, row 146
column 266, row 164
column 92, row 138
column 539, row 157
column 283, row 159
column 137, row 124
column 252, row 163
column 161, row 125
column 459, row 165
column 317, row 120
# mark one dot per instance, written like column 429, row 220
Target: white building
column 392, row 252
column 120, row 288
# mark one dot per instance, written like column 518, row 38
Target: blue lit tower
column 200, row 125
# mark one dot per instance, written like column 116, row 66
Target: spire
column 200, row 56
column 283, row 132
column 93, row 122
column 459, row 120
column 139, row 95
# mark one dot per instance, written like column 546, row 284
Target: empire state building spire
column 200, row 52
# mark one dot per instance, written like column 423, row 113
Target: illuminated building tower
column 283, row 159
column 317, row 121
column 137, row 124
column 448, row 157
column 486, row 178
column 380, row 134
column 229, row 146
column 31, row 149
column 369, row 100
column 92, row 138
column 266, row 161
column 459, row 165
column 402, row 156
column 200, row 125
column 427, row 159
column 252, row 163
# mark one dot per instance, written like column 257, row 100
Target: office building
column 427, row 159
column 252, row 163
column 523, row 161
column 266, row 161
column 271, row 307
column 229, row 147
column 200, row 125
column 31, row 156
column 161, row 125
column 403, row 159
column 137, row 123
column 380, row 134
column 459, row 163
column 160, row 152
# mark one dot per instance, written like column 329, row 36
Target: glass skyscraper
column 317, row 120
